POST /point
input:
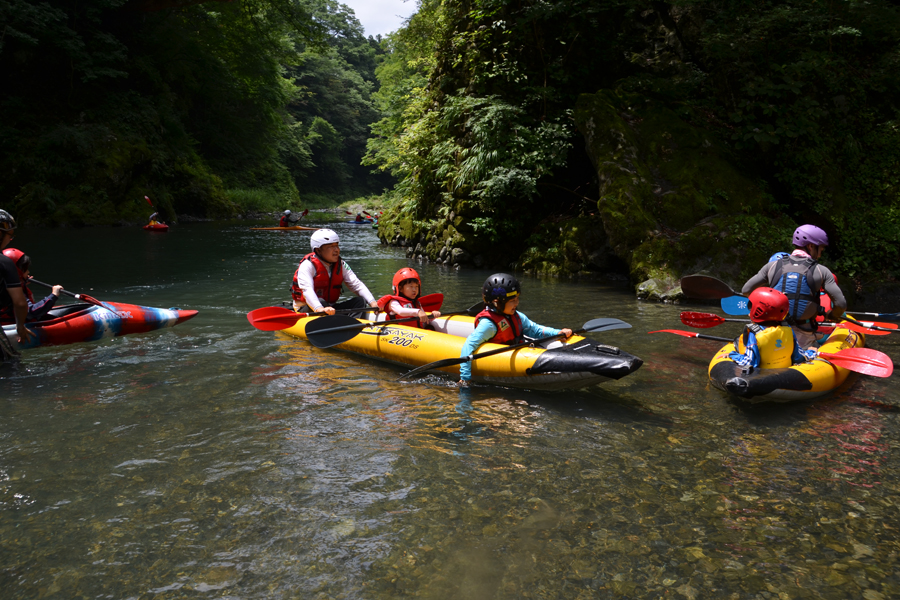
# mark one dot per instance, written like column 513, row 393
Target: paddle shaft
column 85, row 297
column 449, row 362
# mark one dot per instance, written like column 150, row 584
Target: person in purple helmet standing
column 800, row 277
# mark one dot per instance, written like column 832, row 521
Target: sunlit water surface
column 215, row 460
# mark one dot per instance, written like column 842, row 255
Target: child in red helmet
column 767, row 342
column 404, row 302
column 36, row 310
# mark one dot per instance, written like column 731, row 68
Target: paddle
column 300, row 218
column 704, row 287
column 593, row 325
column 431, row 302
column 321, row 335
column 85, row 297
column 691, row 334
column 860, row 360
column 872, row 324
column 707, row 320
column 276, row 318
column 735, row 305
column 895, row 315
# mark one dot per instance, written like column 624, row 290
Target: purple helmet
column 810, row 234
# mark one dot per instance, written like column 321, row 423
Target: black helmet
column 500, row 286
column 7, row 223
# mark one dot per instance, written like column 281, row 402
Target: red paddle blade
column 273, row 318
column 860, row 329
column 876, row 324
column 862, row 360
column 701, row 320
column 147, row 198
column 676, row 332
column 432, row 302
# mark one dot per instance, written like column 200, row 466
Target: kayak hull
column 87, row 322
column 159, row 227
column 577, row 363
column 294, row 228
column 798, row 382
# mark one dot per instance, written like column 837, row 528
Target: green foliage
column 177, row 103
column 803, row 96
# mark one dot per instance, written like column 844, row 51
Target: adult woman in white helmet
column 321, row 276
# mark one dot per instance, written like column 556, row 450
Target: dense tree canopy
column 104, row 101
column 477, row 97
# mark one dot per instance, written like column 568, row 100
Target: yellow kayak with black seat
column 574, row 363
column 797, row 382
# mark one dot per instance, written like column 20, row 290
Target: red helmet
column 405, row 274
column 767, row 304
column 13, row 254
column 23, row 263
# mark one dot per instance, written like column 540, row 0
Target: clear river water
column 212, row 460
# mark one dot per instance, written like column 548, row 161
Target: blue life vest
column 791, row 276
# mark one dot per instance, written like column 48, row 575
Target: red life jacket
column 7, row 313
column 385, row 301
column 509, row 327
column 328, row 289
column 284, row 222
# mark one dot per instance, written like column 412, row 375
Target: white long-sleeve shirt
column 307, row 272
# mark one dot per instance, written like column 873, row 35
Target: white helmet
column 320, row 237
column 287, row 212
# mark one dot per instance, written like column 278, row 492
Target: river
column 213, row 460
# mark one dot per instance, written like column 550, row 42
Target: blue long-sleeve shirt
column 486, row 330
column 37, row 310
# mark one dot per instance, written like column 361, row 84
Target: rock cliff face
column 672, row 198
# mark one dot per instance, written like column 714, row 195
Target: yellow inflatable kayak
column 575, row 363
column 798, row 382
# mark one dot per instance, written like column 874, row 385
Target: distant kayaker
column 404, row 302
column 500, row 322
column 800, row 277
column 766, row 341
column 359, row 218
column 318, row 282
column 154, row 219
column 36, row 310
column 285, row 220
column 12, row 297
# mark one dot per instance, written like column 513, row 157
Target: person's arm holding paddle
column 305, row 275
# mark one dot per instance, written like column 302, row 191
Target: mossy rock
column 671, row 194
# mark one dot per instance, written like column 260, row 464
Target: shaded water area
column 214, row 460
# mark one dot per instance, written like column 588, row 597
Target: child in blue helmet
column 500, row 322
